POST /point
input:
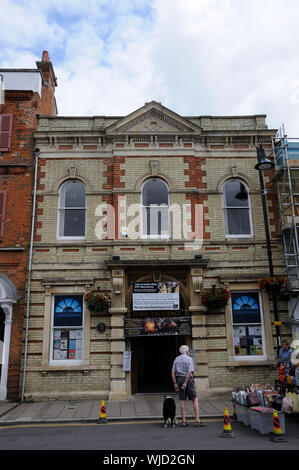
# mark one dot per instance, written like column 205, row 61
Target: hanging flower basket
column 272, row 284
column 215, row 298
column 96, row 301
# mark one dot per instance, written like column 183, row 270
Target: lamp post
column 263, row 164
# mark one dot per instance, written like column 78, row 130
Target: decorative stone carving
column 234, row 170
column 154, row 164
column 118, row 288
column 196, row 274
column 72, row 170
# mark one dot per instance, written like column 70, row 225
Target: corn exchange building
column 140, row 220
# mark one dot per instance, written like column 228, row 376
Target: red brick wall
column 16, row 177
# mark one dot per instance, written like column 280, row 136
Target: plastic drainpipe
column 36, row 153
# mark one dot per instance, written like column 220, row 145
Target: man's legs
column 195, row 406
column 183, row 410
column 196, row 409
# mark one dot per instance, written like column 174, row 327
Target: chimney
column 49, row 82
column 45, row 57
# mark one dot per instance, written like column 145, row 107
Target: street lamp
column 263, row 164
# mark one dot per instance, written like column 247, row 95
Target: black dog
column 169, row 410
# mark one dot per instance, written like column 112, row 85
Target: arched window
column 72, row 210
column 237, row 209
column 155, row 209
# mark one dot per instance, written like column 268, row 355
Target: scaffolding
column 285, row 151
column 286, row 157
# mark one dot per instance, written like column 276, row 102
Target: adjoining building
column 150, row 209
column 24, row 94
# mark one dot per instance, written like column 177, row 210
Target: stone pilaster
column 118, row 310
column 199, row 331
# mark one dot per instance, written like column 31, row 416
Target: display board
column 156, row 296
column 157, row 326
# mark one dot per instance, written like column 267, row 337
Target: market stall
column 254, row 404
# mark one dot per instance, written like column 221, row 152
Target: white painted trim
column 7, row 309
column 61, row 208
column 225, row 208
column 253, row 358
column 68, row 362
column 154, row 237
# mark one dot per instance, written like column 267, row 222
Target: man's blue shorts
column 189, row 392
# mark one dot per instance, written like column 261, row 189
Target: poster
column 66, row 345
column 156, row 296
column 127, row 357
column 248, row 341
column 158, row 326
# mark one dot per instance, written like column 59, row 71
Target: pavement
column 139, row 407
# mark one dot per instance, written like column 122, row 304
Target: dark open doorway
column 152, row 359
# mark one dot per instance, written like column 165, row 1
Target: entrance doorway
column 152, row 359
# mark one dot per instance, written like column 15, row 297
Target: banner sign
column 165, row 326
column 156, row 296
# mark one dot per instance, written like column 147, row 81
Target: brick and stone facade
column 113, row 157
column 28, row 93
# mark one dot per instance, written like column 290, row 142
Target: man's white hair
column 184, row 349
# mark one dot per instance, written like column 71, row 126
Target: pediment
column 153, row 118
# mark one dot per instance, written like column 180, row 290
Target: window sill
column 155, row 237
column 65, row 366
column 236, row 237
column 249, row 362
column 69, row 239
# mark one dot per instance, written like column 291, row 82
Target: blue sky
column 197, row 57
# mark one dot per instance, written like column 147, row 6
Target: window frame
column 226, row 208
column 62, row 209
column 156, row 236
column 250, row 357
column 64, row 362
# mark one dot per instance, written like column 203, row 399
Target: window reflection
column 72, row 208
column 236, row 206
column 155, row 209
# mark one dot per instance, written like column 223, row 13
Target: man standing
column 285, row 353
column 184, row 384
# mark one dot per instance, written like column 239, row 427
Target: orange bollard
column 277, row 435
column 102, row 418
column 227, row 430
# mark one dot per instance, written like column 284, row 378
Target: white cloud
column 220, row 57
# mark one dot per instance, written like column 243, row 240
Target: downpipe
column 36, row 154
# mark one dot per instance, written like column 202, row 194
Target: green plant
column 219, row 296
column 268, row 282
column 97, row 301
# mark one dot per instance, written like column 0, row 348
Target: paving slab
column 142, row 406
